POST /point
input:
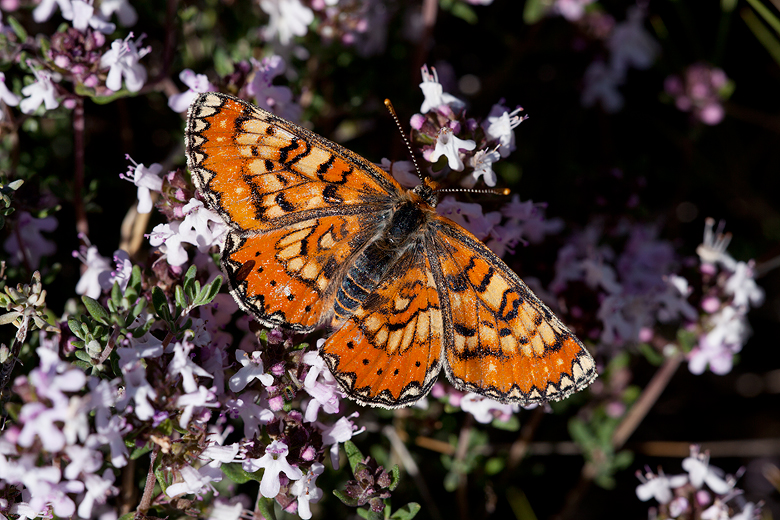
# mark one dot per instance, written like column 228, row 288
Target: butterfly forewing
column 261, row 172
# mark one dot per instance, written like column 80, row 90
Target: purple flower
column 700, row 91
column 147, row 179
column 403, row 171
column 601, row 86
column 122, row 61
column 274, row 98
column 40, row 92
column 434, row 93
column 470, row 216
column 137, row 389
column 288, row 18
column 197, row 83
column 631, row 45
column 33, row 245
column 273, row 462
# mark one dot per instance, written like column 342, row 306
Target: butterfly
column 319, row 236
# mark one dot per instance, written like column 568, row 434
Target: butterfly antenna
column 390, row 109
column 494, row 191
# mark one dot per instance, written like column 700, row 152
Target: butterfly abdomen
column 378, row 257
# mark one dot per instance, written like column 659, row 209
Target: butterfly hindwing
column 388, row 352
column 500, row 340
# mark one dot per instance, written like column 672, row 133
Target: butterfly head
column 427, row 191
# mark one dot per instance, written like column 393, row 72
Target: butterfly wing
column 500, row 340
column 298, row 206
column 388, row 352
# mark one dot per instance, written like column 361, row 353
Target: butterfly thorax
column 405, row 228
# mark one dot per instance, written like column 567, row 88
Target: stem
column 429, row 10
column 146, row 499
column 82, row 226
column 460, row 455
column 649, row 396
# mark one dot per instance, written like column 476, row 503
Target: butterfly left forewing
column 500, row 340
column 388, row 352
column 260, row 172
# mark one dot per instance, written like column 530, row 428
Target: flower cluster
column 700, row 91
column 704, row 492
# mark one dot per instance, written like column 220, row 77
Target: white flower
column 572, row 10
column 124, row 11
column 83, row 16
column 98, row 489
column 223, row 510
column 288, row 18
column 713, row 248
column 434, row 92
column 40, row 92
column 46, row 8
column 183, row 366
column 340, row 432
column 658, row 486
column 97, row 267
column 251, row 369
column 197, row 83
column 449, row 145
column 122, row 60
column 483, row 165
column 8, row 97
column 274, row 462
column 147, row 179
column 485, row 410
column 202, row 397
column 33, row 246
column 307, row 491
column 500, row 126
column 700, row 472
column 192, row 482
column 742, row 285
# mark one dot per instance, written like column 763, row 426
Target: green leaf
column 160, row 304
column 347, row 500
column 83, row 356
column 396, row 477
column 353, row 455
column 20, row 32
column 128, row 516
column 237, row 474
column 140, row 452
column 534, row 11
column 75, row 327
column 96, row 310
column 407, row 512
column 494, row 465
column 209, row 292
column 465, row 13
column 266, row 507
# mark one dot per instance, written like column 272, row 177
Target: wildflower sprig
column 188, row 296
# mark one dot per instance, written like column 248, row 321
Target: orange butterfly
column 321, row 236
